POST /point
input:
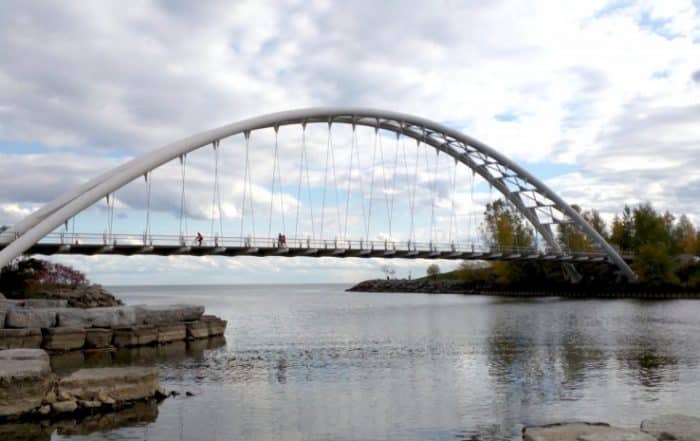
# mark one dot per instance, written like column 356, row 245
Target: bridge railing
column 302, row 243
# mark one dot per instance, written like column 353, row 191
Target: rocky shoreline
column 56, row 327
column 35, row 332
column 660, row 428
column 29, row 389
column 451, row 286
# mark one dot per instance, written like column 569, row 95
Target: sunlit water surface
column 316, row 363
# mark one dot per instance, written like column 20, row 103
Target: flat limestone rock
column 135, row 336
column 171, row 333
column 40, row 303
column 580, row 431
column 120, row 384
column 165, row 314
column 106, row 317
column 216, row 325
column 617, row 434
column 29, row 338
column 63, row 339
column 198, row 329
column 65, row 406
column 25, row 379
column 673, row 427
column 98, row 338
column 30, row 318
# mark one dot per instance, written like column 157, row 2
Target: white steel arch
column 537, row 202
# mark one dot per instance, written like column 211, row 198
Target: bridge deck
column 204, row 250
column 169, row 245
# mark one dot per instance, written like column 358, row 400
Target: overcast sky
column 600, row 99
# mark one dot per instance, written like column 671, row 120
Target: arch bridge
column 46, row 230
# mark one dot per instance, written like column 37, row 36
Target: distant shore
column 452, row 286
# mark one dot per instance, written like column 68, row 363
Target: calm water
column 316, row 363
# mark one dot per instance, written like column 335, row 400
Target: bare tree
column 389, row 271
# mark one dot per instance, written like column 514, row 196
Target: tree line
column 664, row 248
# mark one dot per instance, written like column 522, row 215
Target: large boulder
column 216, row 325
column 98, row 338
column 135, row 336
column 110, row 317
column 164, row 314
column 198, row 329
column 20, row 338
column 25, row 379
column 583, row 432
column 19, row 317
column 119, row 384
column 171, row 333
column 673, row 427
column 63, row 339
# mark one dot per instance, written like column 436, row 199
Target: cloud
column 696, row 76
column 608, row 89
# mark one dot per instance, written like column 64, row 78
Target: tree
column 622, row 230
column 596, row 221
column 650, row 228
column 571, row 238
column 389, row 271
column 433, row 270
column 654, row 265
column 685, row 236
column 24, row 276
column 505, row 227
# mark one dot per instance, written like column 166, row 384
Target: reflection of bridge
column 163, row 245
column 405, row 177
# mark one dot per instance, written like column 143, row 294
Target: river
column 312, row 362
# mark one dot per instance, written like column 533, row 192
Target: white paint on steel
column 33, row 228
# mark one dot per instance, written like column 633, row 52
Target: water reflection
column 319, row 364
column 137, row 415
column 67, row 362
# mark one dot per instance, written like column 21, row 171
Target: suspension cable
column 301, row 175
column 216, row 199
column 371, row 183
column 245, row 180
column 349, row 188
column 407, row 174
column 183, row 199
column 393, row 184
column 325, row 178
column 272, row 191
column 384, row 184
column 110, row 215
column 433, row 192
column 413, row 192
column 279, row 179
column 148, row 176
column 362, row 186
column 308, row 188
column 335, row 181
column 453, row 215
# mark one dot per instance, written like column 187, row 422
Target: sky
column 600, row 99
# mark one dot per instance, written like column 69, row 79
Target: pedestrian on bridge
column 199, row 238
